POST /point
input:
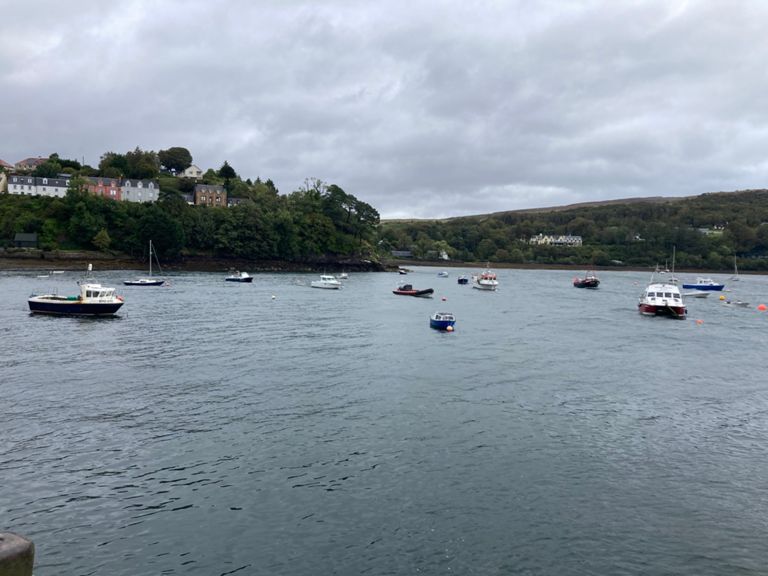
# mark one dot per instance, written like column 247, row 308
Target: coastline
column 34, row 259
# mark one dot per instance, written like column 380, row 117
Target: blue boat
column 704, row 284
column 93, row 300
column 442, row 321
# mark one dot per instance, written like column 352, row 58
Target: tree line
column 318, row 220
column 708, row 231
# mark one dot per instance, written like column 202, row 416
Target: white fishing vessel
column 93, row 300
column 327, row 281
column 486, row 280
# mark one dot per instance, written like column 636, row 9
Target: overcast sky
column 422, row 109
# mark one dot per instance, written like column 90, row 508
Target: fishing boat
column 662, row 299
column 239, row 277
column 93, row 300
column 463, row 280
column 402, row 271
column 704, row 284
column 486, row 280
column 343, row 276
column 149, row 281
column 326, row 281
column 442, row 321
column 443, row 274
column 409, row 290
column 589, row 281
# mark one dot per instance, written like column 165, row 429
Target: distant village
column 19, row 181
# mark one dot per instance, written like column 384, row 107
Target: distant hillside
column 709, row 230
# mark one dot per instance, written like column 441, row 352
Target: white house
column 35, row 185
column 192, row 172
column 555, row 240
column 139, row 190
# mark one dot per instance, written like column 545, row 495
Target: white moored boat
column 662, row 299
column 326, row 281
column 93, row 300
column 150, row 280
column 486, row 280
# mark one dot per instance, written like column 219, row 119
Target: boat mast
column 150, row 258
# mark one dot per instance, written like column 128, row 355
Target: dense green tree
column 227, row 172
column 175, row 158
column 102, row 240
column 113, row 162
column 48, row 169
column 141, row 164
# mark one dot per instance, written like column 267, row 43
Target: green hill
column 708, row 231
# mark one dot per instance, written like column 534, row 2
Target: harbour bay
column 212, row 429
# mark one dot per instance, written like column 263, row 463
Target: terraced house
column 139, row 190
column 34, row 185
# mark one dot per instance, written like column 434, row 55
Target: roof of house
column 25, row 237
column 5, row 164
column 32, row 161
column 209, row 188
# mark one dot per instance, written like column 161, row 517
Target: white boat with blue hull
column 93, row 300
column 442, row 321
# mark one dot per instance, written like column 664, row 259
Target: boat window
column 668, row 294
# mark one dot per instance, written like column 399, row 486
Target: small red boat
column 589, row 281
column 408, row 290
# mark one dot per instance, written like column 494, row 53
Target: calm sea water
column 212, row 429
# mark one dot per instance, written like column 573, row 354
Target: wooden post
column 17, row 555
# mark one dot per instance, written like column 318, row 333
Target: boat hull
column 487, row 287
column 72, row 307
column 426, row 293
column 586, row 283
column 143, row 282
column 677, row 312
column 244, row 280
column 706, row 287
column 325, row 286
column 441, row 324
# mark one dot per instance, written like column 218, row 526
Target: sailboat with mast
column 735, row 277
column 149, row 281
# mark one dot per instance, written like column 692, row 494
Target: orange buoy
column 699, row 322
column 761, row 307
column 449, row 329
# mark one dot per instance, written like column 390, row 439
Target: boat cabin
column 96, row 293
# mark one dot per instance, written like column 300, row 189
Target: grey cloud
column 422, row 111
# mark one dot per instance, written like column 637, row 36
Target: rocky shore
column 30, row 258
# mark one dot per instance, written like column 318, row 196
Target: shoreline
column 78, row 262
